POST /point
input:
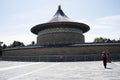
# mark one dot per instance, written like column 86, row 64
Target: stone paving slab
column 92, row 70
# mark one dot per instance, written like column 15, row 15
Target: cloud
column 107, row 27
column 25, row 38
column 19, row 24
column 108, row 21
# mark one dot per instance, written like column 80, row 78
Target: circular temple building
column 61, row 39
column 60, row 30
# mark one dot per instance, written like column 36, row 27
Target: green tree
column 33, row 43
column 4, row 46
column 99, row 39
column 119, row 40
column 116, row 40
column 17, row 43
column 107, row 40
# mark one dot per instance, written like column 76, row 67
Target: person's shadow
column 108, row 68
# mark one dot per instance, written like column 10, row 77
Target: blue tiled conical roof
column 59, row 16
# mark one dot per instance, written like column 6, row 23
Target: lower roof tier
column 83, row 27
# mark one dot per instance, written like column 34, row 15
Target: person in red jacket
column 105, row 58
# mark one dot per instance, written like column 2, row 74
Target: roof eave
column 82, row 26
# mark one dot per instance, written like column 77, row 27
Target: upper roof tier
column 60, row 16
column 60, row 20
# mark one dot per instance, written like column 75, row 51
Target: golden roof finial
column 59, row 7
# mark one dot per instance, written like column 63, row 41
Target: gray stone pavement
column 90, row 70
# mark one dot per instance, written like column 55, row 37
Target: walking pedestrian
column 105, row 58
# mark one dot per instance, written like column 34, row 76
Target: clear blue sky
column 17, row 17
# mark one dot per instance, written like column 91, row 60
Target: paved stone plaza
column 92, row 70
